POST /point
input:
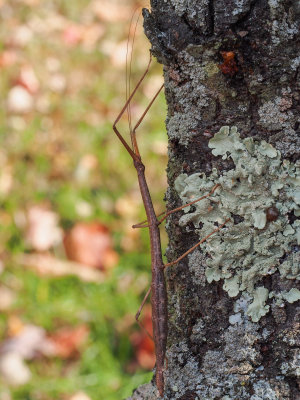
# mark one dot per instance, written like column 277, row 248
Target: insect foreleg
column 133, row 154
column 133, row 131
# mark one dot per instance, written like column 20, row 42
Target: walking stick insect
column 158, row 285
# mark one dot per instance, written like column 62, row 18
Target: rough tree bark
column 232, row 87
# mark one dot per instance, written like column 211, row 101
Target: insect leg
column 123, row 141
column 137, row 315
column 133, row 131
column 167, row 213
column 144, row 223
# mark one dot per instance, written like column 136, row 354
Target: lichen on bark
column 252, row 246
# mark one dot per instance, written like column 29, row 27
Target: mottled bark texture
column 232, row 63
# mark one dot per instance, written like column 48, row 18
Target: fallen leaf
column 42, row 231
column 19, row 101
column 68, row 341
column 13, row 369
column 28, row 79
column 90, row 243
column 27, row 341
column 7, row 297
column 47, row 265
column 72, row 35
column 8, row 58
column 22, row 35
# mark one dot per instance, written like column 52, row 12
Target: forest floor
column 72, row 271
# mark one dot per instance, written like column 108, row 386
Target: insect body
column 158, row 284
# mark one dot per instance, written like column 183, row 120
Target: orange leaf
column 90, row 244
column 67, row 341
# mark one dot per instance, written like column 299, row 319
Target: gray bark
column 234, row 315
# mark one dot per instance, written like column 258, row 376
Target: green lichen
column 258, row 309
column 249, row 247
column 292, row 295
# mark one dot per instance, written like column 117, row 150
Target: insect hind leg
column 137, row 315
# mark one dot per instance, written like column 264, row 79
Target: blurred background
column 72, row 270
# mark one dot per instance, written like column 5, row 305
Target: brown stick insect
column 158, row 284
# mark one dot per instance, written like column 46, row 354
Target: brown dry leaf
column 68, row 341
column 42, row 231
column 47, row 265
column 90, row 243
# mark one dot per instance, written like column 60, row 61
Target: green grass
column 101, row 369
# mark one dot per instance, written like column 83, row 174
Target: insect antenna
column 129, row 58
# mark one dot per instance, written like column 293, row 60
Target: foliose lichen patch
column 261, row 196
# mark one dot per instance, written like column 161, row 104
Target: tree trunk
column 232, row 87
